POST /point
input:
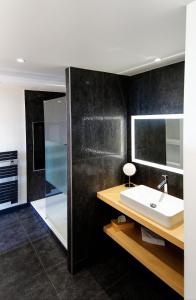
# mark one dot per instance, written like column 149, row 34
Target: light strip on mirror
column 148, row 163
column 168, row 116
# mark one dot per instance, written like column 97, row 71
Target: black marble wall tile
column 35, row 113
column 159, row 91
column 96, row 152
column 100, row 106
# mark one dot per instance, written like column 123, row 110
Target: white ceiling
column 108, row 35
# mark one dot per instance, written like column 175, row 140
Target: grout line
column 8, row 251
column 20, row 245
column 44, row 269
column 39, row 259
column 56, row 265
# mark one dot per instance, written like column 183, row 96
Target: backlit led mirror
column 157, row 141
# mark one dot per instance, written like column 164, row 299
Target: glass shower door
column 56, row 166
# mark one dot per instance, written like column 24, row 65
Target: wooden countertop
column 111, row 196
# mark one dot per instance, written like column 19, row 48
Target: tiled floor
column 33, row 265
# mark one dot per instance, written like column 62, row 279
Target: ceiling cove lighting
column 158, row 59
column 20, row 60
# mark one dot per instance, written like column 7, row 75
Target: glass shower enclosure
column 55, row 119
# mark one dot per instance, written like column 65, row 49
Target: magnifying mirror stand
column 129, row 184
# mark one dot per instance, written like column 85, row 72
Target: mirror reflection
column 158, row 141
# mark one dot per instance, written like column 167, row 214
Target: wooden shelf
column 165, row 262
column 112, row 197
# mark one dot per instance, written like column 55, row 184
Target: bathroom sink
column 157, row 206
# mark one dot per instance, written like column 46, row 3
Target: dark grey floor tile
column 26, row 212
column 107, row 271
column 127, row 289
column 16, row 290
column 80, row 286
column 141, row 284
column 100, row 296
column 42, row 289
column 37, row 287
column 11, row 237
column 7, row 220
column 35, row 228
column 22, row 275
column 18, row 265
column 77, row 295
column 50, row 251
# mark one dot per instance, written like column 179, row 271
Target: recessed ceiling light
column 20, row 60
column 158, row 59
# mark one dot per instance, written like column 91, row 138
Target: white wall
column 12, row 133
column 190, row 154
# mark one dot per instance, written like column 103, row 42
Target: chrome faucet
column 164, row 184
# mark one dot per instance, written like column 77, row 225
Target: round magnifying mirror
column 129, row 169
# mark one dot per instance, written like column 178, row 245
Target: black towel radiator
column 9, row 177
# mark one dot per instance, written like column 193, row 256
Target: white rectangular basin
column 157, row 206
